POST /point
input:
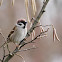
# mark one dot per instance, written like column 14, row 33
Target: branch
column 38, row 17
column 30, row 31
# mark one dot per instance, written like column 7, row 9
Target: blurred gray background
column 47, row 51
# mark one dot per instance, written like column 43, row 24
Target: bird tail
column 3, row 45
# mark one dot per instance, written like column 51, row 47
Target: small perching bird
column 18, row 33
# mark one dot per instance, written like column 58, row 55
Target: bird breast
column 19, row 35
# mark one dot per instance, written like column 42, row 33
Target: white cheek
column 20, row 26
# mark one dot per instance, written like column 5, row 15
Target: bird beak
column 25, row 22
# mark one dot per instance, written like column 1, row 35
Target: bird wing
column 11, row 32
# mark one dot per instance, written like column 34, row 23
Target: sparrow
column 18, row 33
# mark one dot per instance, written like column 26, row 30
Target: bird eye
column 20, row 24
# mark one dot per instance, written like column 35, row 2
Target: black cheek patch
column 24, row 27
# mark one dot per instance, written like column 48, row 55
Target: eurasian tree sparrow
column 18, row 33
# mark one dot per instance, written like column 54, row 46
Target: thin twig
column 42, row 26
column 3, row 53
column 27, row 49
column 5, row 41
column 2, row 35
column 20, row 56
column 43, row 36
column 8, row 48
